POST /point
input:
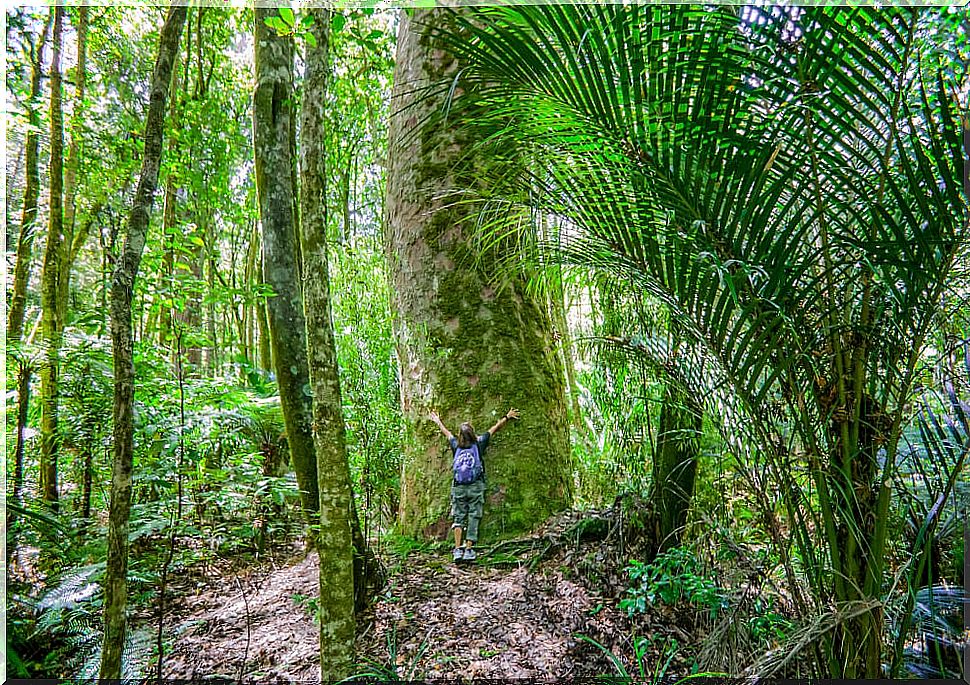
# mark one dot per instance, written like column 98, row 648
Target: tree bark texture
column 334, row 540
column 52, row 325
column 467, row 347
column 674, row 466
column 67, row 251
column 28, row 221
column 122, row 342
column 23, row 404
column 273, row 121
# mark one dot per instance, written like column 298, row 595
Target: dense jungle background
column 716, row 256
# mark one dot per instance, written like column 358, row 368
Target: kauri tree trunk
column 467, row 347
column 122, row 343
column 334, row 540
column 28, row 222
column 273, row 120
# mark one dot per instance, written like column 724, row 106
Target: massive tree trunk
column 122, row 287
column 52, row 325
column 467, row 347
column 272, row 123
column 334, row 540
column 25, row 241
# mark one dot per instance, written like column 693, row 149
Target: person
column 468, row 499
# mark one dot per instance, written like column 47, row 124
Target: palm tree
column 787, row 181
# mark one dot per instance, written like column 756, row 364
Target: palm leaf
column 786, row 181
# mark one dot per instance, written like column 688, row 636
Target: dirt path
column 434, row 620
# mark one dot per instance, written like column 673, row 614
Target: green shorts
column 467, row 502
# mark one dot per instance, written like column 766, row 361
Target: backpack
column 467, row 465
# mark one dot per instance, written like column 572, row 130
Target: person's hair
column 466, row 435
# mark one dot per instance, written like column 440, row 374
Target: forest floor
column 503, row 617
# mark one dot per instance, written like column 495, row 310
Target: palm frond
column 786, row 181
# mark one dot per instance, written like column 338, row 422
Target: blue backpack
column 467, row 465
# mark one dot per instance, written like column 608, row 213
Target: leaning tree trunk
column 467, row 347
column 52, row 325
column 28, row 228
column 122, row 287
column 272, row 123
column 334, row 541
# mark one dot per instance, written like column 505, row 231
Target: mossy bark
column 122, row 343
column 28, row 222
column 52, row 324
column 273, row 119
column 334, row 540
column 674, row 467
column 468, row 346
column 72, row 165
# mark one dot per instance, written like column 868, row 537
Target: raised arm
column 437, row 420
column 511, row 414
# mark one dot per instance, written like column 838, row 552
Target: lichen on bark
column 468, row 346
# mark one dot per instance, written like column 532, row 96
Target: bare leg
column 458, row 531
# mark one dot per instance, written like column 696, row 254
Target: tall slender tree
column 122, row 341
column 68, row 250
column 28, row 221
column 273, row 122
column 52, row 324
column 334, row 541
column 468, row 347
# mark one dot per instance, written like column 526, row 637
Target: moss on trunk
column 468, row 346
column 273, row 119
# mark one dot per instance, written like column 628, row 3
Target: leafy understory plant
column 673, row 577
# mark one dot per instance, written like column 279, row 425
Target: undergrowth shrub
column 674, row 578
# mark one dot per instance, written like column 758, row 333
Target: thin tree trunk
column 674, row 467
column 122, row 287
column 81, row 235
column 248, row 311
column 23, row 403
column 265, row 347
column 557, row 312
column 51, row 324
column 67, row 252
column 212, row 350
column 28, row 228
column 169, row 213
column 334, row 542
column 273, row 122
column 86, row 482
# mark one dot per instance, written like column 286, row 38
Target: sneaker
column 470, row 554
column 457, row 554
